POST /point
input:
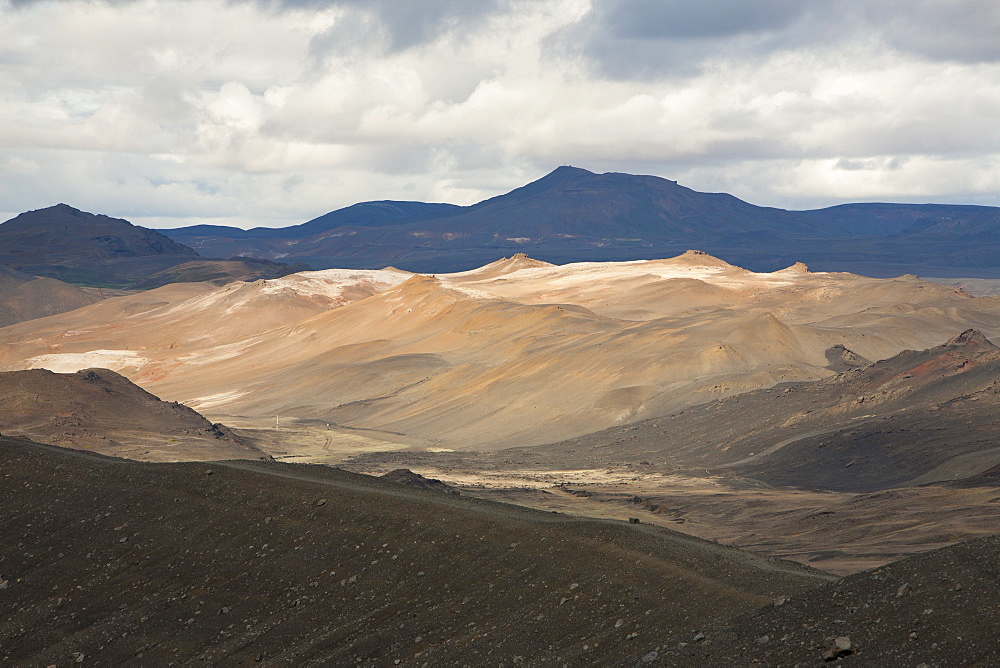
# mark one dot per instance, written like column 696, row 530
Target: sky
column 274, row 112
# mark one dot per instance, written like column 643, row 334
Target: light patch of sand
column 116, row 360
column 545, row 479
column 589, row 274
column 331, row 283
column 216, row 353
column 312, row 441
column 213, row 400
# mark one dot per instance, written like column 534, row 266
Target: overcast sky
column 271, row 113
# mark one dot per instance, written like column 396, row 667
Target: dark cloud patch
column 960, row 30
column 650, row 39
column 408, row 24
column 682, row 19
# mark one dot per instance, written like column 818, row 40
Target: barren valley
column 830, row 419
column 410, row 334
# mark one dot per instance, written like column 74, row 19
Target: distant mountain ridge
column 56, row 231
column 65, row 243
column 366, row 214
column 569, row 215
column 572, row 214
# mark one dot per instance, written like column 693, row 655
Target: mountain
column 363, row 214
column 915, row 418
column 69, row 244
column 275, row 243
column 568, row 212
column 78, row 247
column 40, row 297
column 518, row 352
column 573, row 215
column 100, row 411
column 886, row 220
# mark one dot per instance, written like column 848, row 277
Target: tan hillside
column 517, row 353
column 38, row 297
column 101, row 411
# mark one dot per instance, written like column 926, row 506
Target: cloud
column 410, row 24
column 649, row 39
column 274, row 112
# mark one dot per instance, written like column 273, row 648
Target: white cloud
column 273, row 113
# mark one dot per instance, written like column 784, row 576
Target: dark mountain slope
column 61, row 232
column 114, row 562
column 369, row 214
column 79, row 247
column 573, row 211
column 75, row 246
column 935, row 609
column 266, row 242
column 363, row 214
column 890, row 219
column 573, row 201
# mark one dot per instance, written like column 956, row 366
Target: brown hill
column 918, row 417
column 11, row 278
column 101, row 411
column 114, row 562
column 502, row 267
column 40, row 297
column 530, row 356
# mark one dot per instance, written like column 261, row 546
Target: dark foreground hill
column 114, row 562
column 573, row 215
column 935, row 609
column 102, row 411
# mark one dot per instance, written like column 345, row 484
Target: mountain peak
column 60, row 240
column 62, row 207
column 564, row 171
column 971, row 338
column 797, row 268
column 697, row 258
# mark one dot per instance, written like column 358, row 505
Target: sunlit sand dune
column 518, row 352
